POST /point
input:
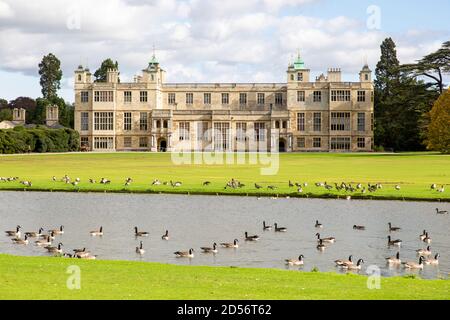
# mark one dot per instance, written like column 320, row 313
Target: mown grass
column 46, row 278
column 414, row 172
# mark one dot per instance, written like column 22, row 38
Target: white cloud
column 5, row 10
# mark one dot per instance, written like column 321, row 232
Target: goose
column 35, row 234
column 210, row 250
column 81, row 254
column 51, row 236
column 156, row 182
column 394, row 260
column 300, row 190
column 424, row 252
column 423, row 235
column 318, row 225
column 441, row 211
column 15, row 233
column 391, row 228
column 234, row 244
column 329, row 239
column 397, row 187
column 79, row 250
column 359, row 227
column 92, row 181
column 140, row 233
column 295, row 262
column 166, row 235
column 87, row 257
column 414, row 265
column 432, row 261
column 55, row 249
column 185, row 254
column 206, row 183
column 271, row 187
column 266, row 227
column 427, row 238
column 352, row 266
column 44, row 242
column 291, row 185
column 257, row 186
column 75, row 183
column 397, row 242
column 251, row 238
column 440, row 190
column 77, row 179
column 320, row 246
column 96, row 233
column 57, row 231
column 20, row 241
column 139, row 249
column 341, row 262
column 433, row 186
column 54, row 178
column 279, row 229
column 67, row 255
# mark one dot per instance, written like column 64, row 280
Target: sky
column 210, row 40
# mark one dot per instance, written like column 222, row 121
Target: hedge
column 39, row 139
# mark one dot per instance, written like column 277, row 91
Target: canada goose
column 231, row 245
column 441, row 211
column 295, row 262
column 318, row 225
column 394, row 260
column 359, row 227
column 79, row 250
column 20, row 241
column 423, row 235
column 166, row 235
column 98, row 232
column 352, row 266
column 206, row 183
column 320, row 246
column 340, row 262
column 86, row 257
column 34, row 234
column 15, row 233
column 397, row 187
column 414, row 265
column 55, row 249
column 290, row 184
column 54, row 178
column 266, row 227
column 67, row 255
column 210, row 250
column 44, row 242
column 279, row 229
column 156, row 182
column 81, row 254
column 185, row 254
column 441, row 189
column 257, row 186
column 427, row 238
column 140, row 233
column 391, row 228
column 51, row 236
column 92, row 181
column 432, row 261
column 57, row 231
column 329, row 239
column 271, row 187
column 397, row 242
column 433, row 186
column 75, row 183
column 424, row 252
column 139, row 249
column 251, row 238
column 300, row 190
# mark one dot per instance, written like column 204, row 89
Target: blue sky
column 209, row 40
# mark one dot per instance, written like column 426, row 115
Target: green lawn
column 46, row 278
column 414, row 172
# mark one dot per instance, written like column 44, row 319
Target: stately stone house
column 324, row 114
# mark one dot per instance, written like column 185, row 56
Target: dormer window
column 299, row 76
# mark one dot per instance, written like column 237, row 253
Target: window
column 202, row 131
column 104, row 143
column 225, row 98
column 340, row 95
column 361, row 121
column 278, row 98
column 301, row 142
column 317, row 142
column 301, row 121
column 127, row 96
column 79, row 77
column 165, row 124
column 143, row 142
column 299, row 76
column 189, row 98
column 241, row 131
column 158, row 124
column 84, row 121
column 340, row 121
column 371, row 121
column 207, row 98
column 301, row 96
column 277, row 124
column 366, row 77
column 143, row 96
column 292, row 77
column 317, row 96
column 183, row 131
column 260, row 131
column 143, row 121
column 261, row 98
column 171, row 98
column 317, row 121
column 84, row 141
column 361, row 143
column 242, row 98
column 127, row 121
column 84, row 96
column 340, row 143
column 103, row 96
column 221, row 136
column 103, row 121
column 284, row 124
column 127, row 142
column 361, row 96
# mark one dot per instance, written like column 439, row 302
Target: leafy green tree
column 100, row 73
column 5, row 114
column 3, row 103
column 438, row 137
column 51, row 74
column 29, row 104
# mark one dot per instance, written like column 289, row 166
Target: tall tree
column 51, row 74
column 100, row 73
column 438, row 137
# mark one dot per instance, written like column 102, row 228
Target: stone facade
column 297, row 116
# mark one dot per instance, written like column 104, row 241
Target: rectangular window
column 127, row 142
column 189, row 98
column 84, row 142
column 340, row 121
column 103, row 96
column 340, row 143
column 103, row 121
column 84, row 121
column 301, row 142
column 241, row 131
column 260, row 131
column 361, row 122
column 127, row 121
column 143, row 142
column 278, row 98
column 242, row 98
column 225, row 98
column 372, row 122
column 207, row 98
column 221, row 136
column 361, row 96
column 261, row 98
column 301, row 121
column 143, row 96
column 171, row 98
column 361, row 143
column 300, row 96
column 127, row 96
column 84, row 96
column 299, row 76
column 143, row 121
column 317, row 121
column 104, row 143
column 340, row 95
column 183, row 131
column 317, row 142
column 317, row 96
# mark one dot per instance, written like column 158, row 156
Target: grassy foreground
column 46, row 278
column 414, row 172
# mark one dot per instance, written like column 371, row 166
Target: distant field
column 414, row 172
column 46, row 278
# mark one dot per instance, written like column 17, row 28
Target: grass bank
column 46, row 278
column 414, row 172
